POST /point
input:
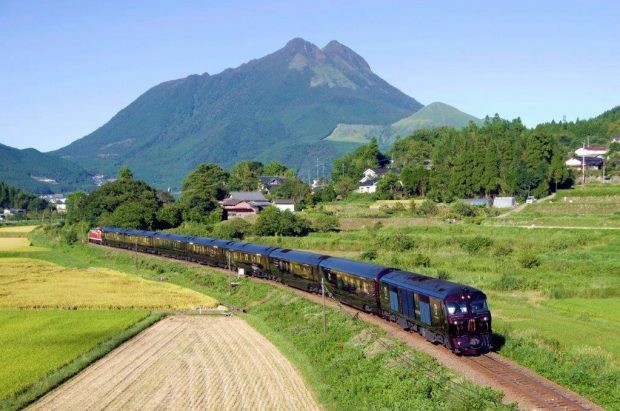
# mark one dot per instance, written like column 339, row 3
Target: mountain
column 279, row 107
column 431, row 116
column 41, row 173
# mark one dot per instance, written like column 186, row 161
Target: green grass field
column 37, row 342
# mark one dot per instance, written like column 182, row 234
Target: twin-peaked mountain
column 279, row 107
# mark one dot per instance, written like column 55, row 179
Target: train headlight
column 485, row 319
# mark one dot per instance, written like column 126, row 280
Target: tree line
column 13, row 197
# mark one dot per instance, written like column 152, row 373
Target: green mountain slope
column 41, row 173
column 431, row 116
column 267, row 109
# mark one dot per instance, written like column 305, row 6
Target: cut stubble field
column 188, row 362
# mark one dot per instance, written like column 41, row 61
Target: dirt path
column 188, row 362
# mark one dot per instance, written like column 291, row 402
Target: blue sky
column 67, row 67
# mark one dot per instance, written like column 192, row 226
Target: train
column 454, row 315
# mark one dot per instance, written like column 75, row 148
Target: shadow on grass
column 497, row 342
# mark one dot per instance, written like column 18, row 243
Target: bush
column 463, row 210
column 324, row 223
column 422, row 260
column 428, row 208
column 369, row 255
column 529, row 260
column 476, row 244
column 502, row 251
column 275, row 222
column 235, row 229
column 396, row 242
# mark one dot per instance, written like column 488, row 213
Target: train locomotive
column 444, row 312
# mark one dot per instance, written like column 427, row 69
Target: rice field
column 18, row 245
column 37, row 342
column 29, row 283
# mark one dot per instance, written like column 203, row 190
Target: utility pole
column 324, row 316
column 583, row 164
column 229, row 274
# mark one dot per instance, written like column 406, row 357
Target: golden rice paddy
column 17, row 244
column 30, row 283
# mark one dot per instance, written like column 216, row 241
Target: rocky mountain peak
column 344, row 55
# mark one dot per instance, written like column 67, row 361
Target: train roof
column 364, row 270
column 128, row 231
column 433, row 287
column 250, row 248
column 297, row 256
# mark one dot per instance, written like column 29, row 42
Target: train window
column 456, row 308
column 478, row 306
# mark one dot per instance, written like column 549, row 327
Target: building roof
column 247, row 196
column 588, row 161
column 288, row 201
column 369, row 183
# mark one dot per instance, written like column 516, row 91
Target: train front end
column 469, row 322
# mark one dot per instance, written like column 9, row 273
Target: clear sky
column 67, row 67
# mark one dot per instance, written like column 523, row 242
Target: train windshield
column 456, row 307
column 479, row 306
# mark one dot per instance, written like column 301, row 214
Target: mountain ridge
column 265, row 108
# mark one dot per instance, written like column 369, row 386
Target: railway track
column 532, row 389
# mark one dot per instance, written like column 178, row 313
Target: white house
column 591, row 151
column 285, row 204
column 370, row 178
column 504, row 202
column 368, row 186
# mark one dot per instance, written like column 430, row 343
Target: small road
column 522, row 206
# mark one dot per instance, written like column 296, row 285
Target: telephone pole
column 324, row 316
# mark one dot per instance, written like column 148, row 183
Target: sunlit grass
column 29, row 283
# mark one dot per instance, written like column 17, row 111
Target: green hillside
column 432, row 116
column 270, row 109
column 41, row 173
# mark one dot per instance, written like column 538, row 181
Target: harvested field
column 17, row 244
column 188, row 362
column 21, row 229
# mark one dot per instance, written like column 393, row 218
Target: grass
column 29, row 283
column 41, row 349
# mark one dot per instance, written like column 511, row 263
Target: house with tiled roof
column 244, row 203
column 370, row 178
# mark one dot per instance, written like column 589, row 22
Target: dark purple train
column 447, row 313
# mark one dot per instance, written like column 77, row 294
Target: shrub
column 475, row 244
column 422, row 260
column 324, row 223
column 443, row 275
column 395, row 242
column 502, row 251
column 529, row 260
column 428, row 208
column 236, row 228
column 369, row 255
column 463, row 210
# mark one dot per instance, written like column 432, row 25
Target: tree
column 276, row 169
column 415, row 180
column 201, row 190
column 245, row 176
column 388, row 187
column 125, row 173
column 272, row 221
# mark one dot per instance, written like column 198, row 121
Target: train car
column 354, row 283
column 95, row 236
column 443, row 312
column 299, row 269
column 252, row 258
column 211, row 251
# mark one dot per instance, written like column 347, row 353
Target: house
column 370, row 178
column 318, row 185
column 595, row 163
column 268, row 183
column 591, row 151
column 243, row 203
column 368, row 186
column 615, row 139
column 287, row 204
column 504, row 202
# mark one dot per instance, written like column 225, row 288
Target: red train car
column 95, row 235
